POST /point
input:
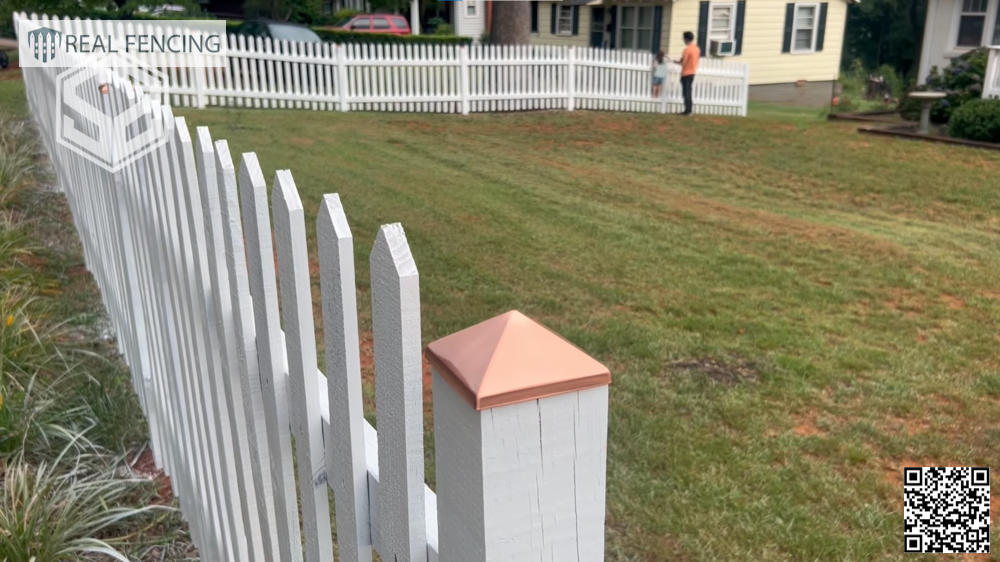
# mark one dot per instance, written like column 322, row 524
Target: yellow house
column 792, row 48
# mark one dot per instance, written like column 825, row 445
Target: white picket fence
column 220, row 340
column 451, row 79
column 443, row 79
column 991, row 82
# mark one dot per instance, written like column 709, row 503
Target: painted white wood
column 270, row 353
column 345, row 445
column 247, row 371
column 521, row 482
column 398, row 396
column 300, row 345
column 342, row 79
column 194, row 496
column 459, row 474
column 187, row 180
column 230, row 373
column 206, row 178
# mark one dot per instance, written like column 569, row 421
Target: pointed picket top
column 510, row 358
column 393, row 239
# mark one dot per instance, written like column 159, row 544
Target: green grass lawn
column 791, row 311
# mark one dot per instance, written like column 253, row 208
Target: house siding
column 941, row 34
column 466, row 25
column 545, row 36
column 763, row 31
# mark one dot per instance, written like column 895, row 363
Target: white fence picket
column 345, row 442
column 300, row 345
column 270, row 353
column 246, row 350
column 398, row 397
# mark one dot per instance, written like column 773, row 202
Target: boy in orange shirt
column 689, row 65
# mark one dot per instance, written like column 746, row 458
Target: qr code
column 946, row 509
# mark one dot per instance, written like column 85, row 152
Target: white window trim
column 993, row 20
column 559, row 19
column 636, row 28
column 988, row 28
column 732, row 19
column 470, row 8
column 815, row 28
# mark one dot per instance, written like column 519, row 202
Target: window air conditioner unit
column 722, row 48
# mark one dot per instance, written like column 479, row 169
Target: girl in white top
column 659, row 72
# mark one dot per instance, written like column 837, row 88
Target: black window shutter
column 534, row 16
column 786, row 44
column 576, row 19
column 703, row 27
column 741, row 11
column 821, row 28
column 553, row 8
column 657, row 27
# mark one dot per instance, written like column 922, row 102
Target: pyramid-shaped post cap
column 511, row 358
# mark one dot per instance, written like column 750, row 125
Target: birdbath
column 927, row 99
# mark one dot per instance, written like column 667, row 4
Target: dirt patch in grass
column 909, row 426
column 953, row 302
column 805, row 425
column 722, row 371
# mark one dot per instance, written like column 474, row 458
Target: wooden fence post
column 570, row 79
column 745, row 89
column 520, row 428
column 463, row 77
column 341, row 77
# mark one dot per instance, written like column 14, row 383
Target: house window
column 971, row 22
column 996, row 29
column 564, row 20
column 804, row 28
column 721, row 25
column 636, row 28
column 470, row 7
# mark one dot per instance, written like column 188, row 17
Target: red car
column 377, row 23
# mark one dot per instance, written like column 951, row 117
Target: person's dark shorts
column 657, row 81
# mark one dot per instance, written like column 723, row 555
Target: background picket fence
column 262, row 72
column 181, row 240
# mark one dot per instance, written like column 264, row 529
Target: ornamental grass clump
column 69, row 508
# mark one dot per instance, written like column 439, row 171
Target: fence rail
column 991, row 82
column 220, row 340
column 261, row 72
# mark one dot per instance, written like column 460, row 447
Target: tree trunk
column 511, row 23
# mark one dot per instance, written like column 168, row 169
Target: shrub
column 344, row 36
column 976, row 120
column 962, row 81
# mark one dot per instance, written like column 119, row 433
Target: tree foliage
column 885, row 32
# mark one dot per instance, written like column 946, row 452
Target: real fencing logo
column 111, row 79
column 111, row 115
column 43, row 43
